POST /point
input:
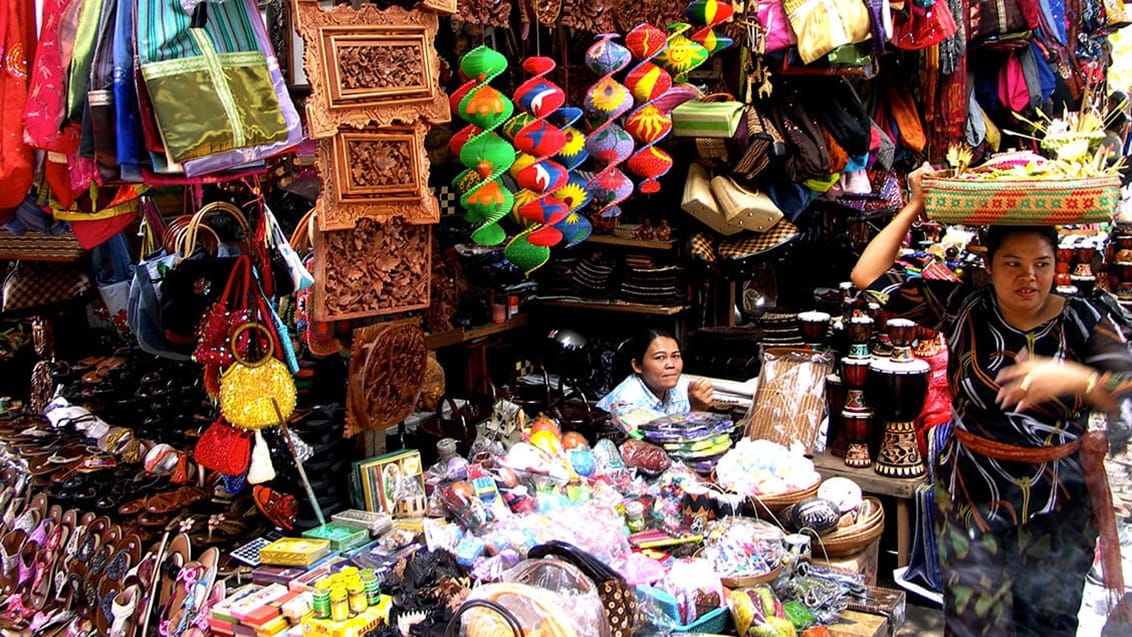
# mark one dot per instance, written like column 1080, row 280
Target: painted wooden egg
column 817, row 514
column 843, row 492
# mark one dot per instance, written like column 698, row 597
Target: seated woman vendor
column 656, row 383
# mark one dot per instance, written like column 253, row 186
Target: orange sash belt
column 1093, row 447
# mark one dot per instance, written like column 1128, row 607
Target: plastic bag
column 540, row 612
column 645, row 457
column 569, row 582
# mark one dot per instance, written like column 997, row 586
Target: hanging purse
column 35, row 286
column 224, row 449
column 917, row 28
column 763, row 144
column 259, row 394
column 707, row 117
column 743, row 208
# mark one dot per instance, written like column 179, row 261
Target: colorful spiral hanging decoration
column 538, row 176
column 682, row 54
column 647, row 123
column 608, row 143
column 710, row 13
column 575, row 228
column 485, row 154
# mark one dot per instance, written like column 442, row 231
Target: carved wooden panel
column 375, row 173
column 443, row 7
column 387, row 374
column 368, row 66
column 373, row 269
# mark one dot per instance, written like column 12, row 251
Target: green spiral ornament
column 485, row 155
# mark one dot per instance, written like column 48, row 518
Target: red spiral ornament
column 648, row 123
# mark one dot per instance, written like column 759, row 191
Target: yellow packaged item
column 293, row 551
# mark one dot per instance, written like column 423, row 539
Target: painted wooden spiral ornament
column 682, row 54
column 575, row 228
column 538, row 140
column 609, row 144
column 647, row 123
column 481, row 150
column 711, row 14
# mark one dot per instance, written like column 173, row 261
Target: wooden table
column 901, row 490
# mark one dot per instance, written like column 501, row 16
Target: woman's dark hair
column 997, row 234
column 635, row 348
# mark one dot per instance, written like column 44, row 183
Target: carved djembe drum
column 856, row 415
column 902, row 381
column 815, row 327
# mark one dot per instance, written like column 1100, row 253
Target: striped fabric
column 163, row 30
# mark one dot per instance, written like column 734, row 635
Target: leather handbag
column 762, row 143
column 34, row 286
column 744, row 208
column 617, row 598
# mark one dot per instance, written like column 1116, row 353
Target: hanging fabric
column 207, row 79
column 17, row 28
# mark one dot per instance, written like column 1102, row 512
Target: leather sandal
column 280, row 508
column 176, row 500
column 177, row 553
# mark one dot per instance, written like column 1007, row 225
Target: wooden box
column 863, row 562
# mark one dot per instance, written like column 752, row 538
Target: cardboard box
column 863, row 562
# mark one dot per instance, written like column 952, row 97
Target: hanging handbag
column 917, row 27
column 31, row 287
column 744, row 208
column 762, row 143
column 198, row 278
column 206, row 101
column 709, row 116
column 256, row 394
column 223, row 448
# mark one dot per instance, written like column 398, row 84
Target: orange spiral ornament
column 648, row 123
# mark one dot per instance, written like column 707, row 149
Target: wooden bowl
column 746, row 581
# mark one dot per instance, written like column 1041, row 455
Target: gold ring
column 1025, row 384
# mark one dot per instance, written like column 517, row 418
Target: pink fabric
column 779, row 33
column 47, row 94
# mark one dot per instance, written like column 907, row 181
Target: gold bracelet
column 1091, row 384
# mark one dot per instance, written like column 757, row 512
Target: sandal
column 176, row 500
column 177, row 554
column 280, row 508
column 193, row 586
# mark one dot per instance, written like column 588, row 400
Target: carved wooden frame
column 341, row 249
column 363, row 42
column 443, row 7
column 352, row 155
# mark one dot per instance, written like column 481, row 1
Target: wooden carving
column 369, row 66
column 387, row 373
column 373, row 269
column 375, row 173
column 443, row 7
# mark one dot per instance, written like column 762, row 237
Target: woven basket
column 35, row 246
column 1020, row 202
column 851, row 539
column 776, row 502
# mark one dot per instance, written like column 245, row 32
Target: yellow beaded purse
column 250, row 391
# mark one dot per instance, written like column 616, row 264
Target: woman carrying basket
column 1015, row 519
